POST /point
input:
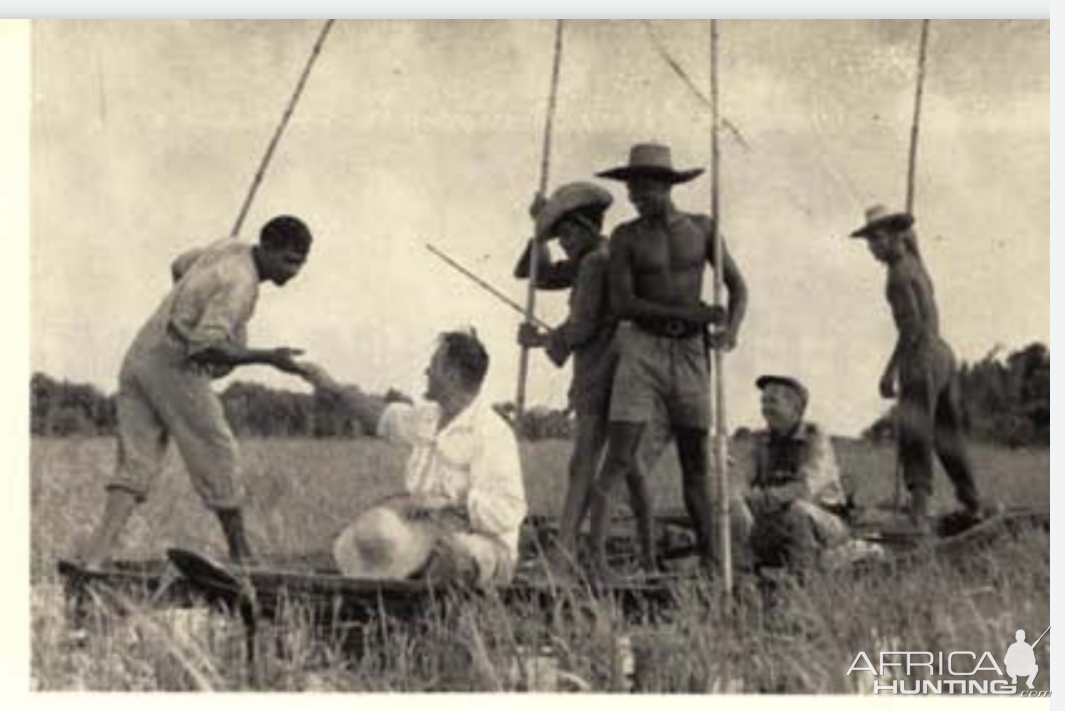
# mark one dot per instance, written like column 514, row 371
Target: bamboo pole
column 545, row 170
column 483, row 284
column 720, row 458
column 276, row 138
column 911, row 189
column 915, row 127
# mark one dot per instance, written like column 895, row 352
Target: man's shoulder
column 226, row 258
column 596, row 260
column 700, row 220
column 625, row 230
column 406, row 421
column 812, row 431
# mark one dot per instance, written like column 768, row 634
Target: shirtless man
column 657, row 262
column 923, row 365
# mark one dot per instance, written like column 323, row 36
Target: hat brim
column 405, row 562
column 896, row 221
column 766, row 380
column 626, row 173
column 556, row 208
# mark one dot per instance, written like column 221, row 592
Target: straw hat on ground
column 382, row 545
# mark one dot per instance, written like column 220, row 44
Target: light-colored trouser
column 494, row 563
column 160, row 397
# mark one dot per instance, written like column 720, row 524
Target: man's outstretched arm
column 367, row 409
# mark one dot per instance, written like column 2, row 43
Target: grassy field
column 303, row 492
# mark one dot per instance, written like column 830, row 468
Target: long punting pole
column 720, row 458
column 911, row 187
column 915, row 127
column 545, row 170
column 482, row 283
column 289, row 109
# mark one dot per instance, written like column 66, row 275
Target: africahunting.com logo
column 916, row 672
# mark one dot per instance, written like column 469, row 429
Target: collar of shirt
column 464, row 421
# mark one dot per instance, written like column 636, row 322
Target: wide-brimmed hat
column 382, row 545
column 879, row 216
column 652, row 160
column 787, row 381
column 567, row 198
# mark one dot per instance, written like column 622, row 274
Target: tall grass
column 798, row 639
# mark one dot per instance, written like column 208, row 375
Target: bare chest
column 660, row 249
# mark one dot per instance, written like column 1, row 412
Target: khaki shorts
column 159, row 399
column 660, row 374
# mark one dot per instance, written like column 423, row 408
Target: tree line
column 1005, row 400
column 61, row 408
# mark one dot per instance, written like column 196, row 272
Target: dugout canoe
column 187, row 578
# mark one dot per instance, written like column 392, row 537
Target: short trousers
column 159, row 399
column 660, row 374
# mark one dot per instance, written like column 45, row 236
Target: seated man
column 464, row 497
column 796, row 500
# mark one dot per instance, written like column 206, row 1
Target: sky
column 146, row 134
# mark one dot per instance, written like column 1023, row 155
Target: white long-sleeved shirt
column 472, row 463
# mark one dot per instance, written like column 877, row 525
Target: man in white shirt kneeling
column 464, row 501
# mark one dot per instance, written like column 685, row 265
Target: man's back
column 912, row 299
column 213, row 298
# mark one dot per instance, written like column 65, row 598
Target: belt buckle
column 674, row 328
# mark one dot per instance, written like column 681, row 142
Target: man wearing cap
column 657, row 263
column 199, row 332
column 464, row 500
column 796, row 500
column 923, row 366
column 574, row 214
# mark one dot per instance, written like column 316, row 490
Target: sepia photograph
column 544, row 356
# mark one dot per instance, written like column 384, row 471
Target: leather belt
column 669, row 327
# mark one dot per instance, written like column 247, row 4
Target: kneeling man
column 796, row 500
column 464, row 499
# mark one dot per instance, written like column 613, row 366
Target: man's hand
column 529, row 336
column 284, row 359
column 723, row 340
column 537, row 205
column 887, row 385
column 705, row 314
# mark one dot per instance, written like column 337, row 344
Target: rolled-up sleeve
column 496, row 499
column 398, row 423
